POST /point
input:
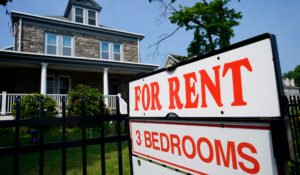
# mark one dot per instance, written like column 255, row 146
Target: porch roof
column 72, row 61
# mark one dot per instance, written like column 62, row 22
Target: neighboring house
column 52, row 54
column 172, row 59
column 290, row 89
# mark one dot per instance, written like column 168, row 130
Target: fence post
column 101, row 107
column 83, row 146
column 16, row 155
column 64, row 136
column 3, row 106
column 41, row 166
column 119, row 136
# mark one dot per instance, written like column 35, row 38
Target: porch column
column 44, row 79
column 3, row 107
column 105, row 85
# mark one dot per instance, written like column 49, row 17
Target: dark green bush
column 91, row 96
column 30, row 107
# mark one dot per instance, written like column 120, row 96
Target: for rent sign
column 240, row 82
column 205, row 148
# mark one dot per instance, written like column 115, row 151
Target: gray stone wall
column 85, row 45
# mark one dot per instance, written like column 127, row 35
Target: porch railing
column 7, row 99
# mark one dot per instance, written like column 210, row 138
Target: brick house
column 51, row 54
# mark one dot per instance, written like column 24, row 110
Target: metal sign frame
column 277, row 124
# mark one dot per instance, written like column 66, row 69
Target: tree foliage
column 4, row 2
column 295, row 74
column 212, row 23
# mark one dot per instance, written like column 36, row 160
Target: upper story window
column 85, row 16
column 110, row 51
column 79, row 15
column 59, row 45
column 91, row 17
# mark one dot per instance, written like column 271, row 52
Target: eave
column 71, row 61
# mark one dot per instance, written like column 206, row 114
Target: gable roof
column 91, row 4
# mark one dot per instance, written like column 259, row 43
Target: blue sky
column 278, row 17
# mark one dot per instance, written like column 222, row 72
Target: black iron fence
column 294, row 114
column 16, row 150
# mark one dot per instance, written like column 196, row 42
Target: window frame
column 111, row 50
column 46, row 43
column 59, row 44
column 91, row 18
column 53, row 84
column 59, row 85
column 62, row 46
column 85, row 15
column 75, row 15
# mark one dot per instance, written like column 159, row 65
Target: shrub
column 91, row 96
column 30, row 107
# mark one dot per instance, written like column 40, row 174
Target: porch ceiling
column 71, row 63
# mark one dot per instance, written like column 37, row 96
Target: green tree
column 4, row 2
column 212, row 23
column 289, row 74
column 297, row 75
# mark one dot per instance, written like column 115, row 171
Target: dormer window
column 79, row 15
column 85, row 16
column 91, row 17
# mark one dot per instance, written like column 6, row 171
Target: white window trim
column 85, row 15
column 46, row 43
column 59, row 44
column 78, row 15
column 72, row 45
column 53, row 83
column 59, row 77
column 111, row 50
column 91, row 18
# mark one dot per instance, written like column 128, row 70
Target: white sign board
column 203, row 148
column 237, row 83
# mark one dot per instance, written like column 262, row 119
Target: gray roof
column 91, row 4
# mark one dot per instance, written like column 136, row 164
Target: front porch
column 7, row 99
column 26, row 73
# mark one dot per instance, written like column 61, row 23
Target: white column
column 3, row 106
column 105, row 85
column 44, row 79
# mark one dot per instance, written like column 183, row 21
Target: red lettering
column 255, row 163
column 154, row 96
column 210, row 147
column 154, row 140
column 214, row 89
column 190, row 90
column 137, row 91
column 235, row 67
column 230, row 153
column 175, row 144
column 174, row 93
column 147, row 137
column 192, row 155
column 163, row 135
column 147, row 104
column 137, row 132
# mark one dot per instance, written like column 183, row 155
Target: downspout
column 139, row 59
column 20, row 33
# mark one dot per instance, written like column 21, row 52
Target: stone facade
column 85, row 45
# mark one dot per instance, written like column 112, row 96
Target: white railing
column 7, row 99
column 11, row 98
column 58, row 99
column 112, row 101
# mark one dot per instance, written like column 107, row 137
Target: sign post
column 225, row 104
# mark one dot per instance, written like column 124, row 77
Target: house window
column 66, row 45
column 59, row 45
column 104, row 50
column 117, row 52
column 91, row 17
column 111, row 51
column 79, row 15
column 64, row 85
column 50, row 85
column 51, row 47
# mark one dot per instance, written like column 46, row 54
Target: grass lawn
column 29, row 162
